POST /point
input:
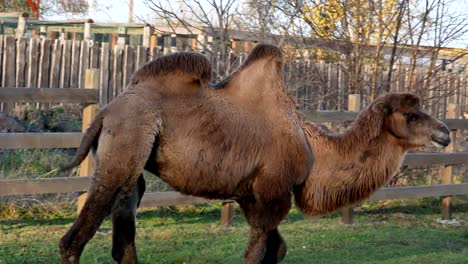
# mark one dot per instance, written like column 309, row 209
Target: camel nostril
column 443, row 128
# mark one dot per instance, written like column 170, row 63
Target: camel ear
column 412, row 100
column 382, row 108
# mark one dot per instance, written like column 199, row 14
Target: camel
column 240, row 139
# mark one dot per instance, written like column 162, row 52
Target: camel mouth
column 441, row 142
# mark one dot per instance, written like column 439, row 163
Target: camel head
column 407, row 124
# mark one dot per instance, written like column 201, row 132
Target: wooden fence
column 46, row 63
column 91, row 96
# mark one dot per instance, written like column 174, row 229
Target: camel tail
column 87, row 142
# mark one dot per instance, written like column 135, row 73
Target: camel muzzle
column 441, row 136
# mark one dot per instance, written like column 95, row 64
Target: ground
column 384, row 232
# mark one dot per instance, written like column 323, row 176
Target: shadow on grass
column 37, row 222
column 426, row 206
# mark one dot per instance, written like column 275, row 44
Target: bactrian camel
column 240, row 139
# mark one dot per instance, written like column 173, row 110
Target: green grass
column 32, row 163
column 395, row 232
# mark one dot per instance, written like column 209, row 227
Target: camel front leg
column 124, row 226
column 265, row 244
column 266, row 247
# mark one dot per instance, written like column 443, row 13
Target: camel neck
column 347, row 168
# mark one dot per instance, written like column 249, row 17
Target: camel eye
column 411, row 117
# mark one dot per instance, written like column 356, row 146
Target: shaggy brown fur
column 243, row 142
column 350, row 167
column 187, row 62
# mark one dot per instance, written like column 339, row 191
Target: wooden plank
column 435, row 159
column 80, row 184
column 46, row 140
column 42, row 95
column 20, row 62
column 9, row 69
column 343, row 116
column 329, row 116
column 66, row 64
column 84, row 56
column 94, row 57
column 111, row 74
column 117, row 74
column 33, row 63
column 75, row 64
column 55, row 64
column 141, row 57
column 104, row 78
column 455, row 124
column 1, row 60
column 39, row 140
column 414, row 192
column 128, row 65
column 42, row 186
column 44, row 64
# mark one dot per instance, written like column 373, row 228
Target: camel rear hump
column 192, row 64
column 263, row 51
column 262, row 70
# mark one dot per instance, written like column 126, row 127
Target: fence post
column 122, row 36
column 447, row 171
column 354, row 104
column 43, row 32
column 21, row 28
column 147, row 33
column 87, row 30
column 89, row 112
column 227, row 214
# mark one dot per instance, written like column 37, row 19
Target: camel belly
column 213, row 173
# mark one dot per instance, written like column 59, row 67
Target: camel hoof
column 67, row 256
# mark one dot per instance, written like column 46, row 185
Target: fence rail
column 40, row 140
column 81, row 184
column 47, row 95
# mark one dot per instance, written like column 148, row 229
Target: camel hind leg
column 123, row 150
column 124, row 226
